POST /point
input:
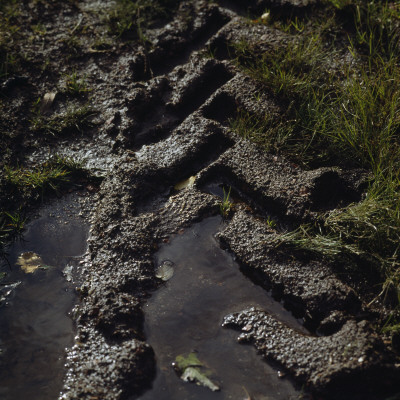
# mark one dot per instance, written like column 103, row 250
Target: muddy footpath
column 173, row 279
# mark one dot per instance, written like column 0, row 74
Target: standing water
column 34, row 325
column 185, row 315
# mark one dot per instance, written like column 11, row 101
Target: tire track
column 177, row 125
column 157, row 109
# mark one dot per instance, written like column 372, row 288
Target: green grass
column 75, row 85
column 74, row 119
column 296, row 74
column 344, row 114
column 10, row 58
column 25, row 185
column 51, row 176
column 130, row 17
column 11, row 226
column 48, row 176
column 226, row 204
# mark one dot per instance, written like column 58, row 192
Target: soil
column 160, row 114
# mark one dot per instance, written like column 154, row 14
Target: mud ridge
column 175, row 124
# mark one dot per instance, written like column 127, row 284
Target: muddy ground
column 159, row 114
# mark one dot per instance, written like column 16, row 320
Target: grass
column 23, row 186
column 48, row 176
column 10, row 58
column 11, row 226
column 51, row 176
column 129, row 17
column 226, row 204
column 271, row 223
column 344, row 114
column 74, row 119
column 75, row 85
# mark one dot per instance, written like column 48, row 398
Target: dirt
column 161, row 115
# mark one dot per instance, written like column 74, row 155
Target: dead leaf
column 265, row 17
column 186, row 183
column 47, row 102
column 193, row 374
column 191, row 369
column 165, row 271
column 30, row 262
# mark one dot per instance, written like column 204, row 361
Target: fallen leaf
column 184, row 361
column 265, row 17
column 165, row 271
column 186, row 183
column 192, row 374
column 47, row 102
column 30, row 262
column 191, row 369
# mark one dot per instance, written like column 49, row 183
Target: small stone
column 247, row 327
column 165, row 271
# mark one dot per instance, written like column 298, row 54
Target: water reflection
column 186, row 314
column 34, row 324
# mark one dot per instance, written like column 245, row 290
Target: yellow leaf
column 186, row 183
column 30, row 262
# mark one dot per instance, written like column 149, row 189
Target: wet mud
column 162, row 116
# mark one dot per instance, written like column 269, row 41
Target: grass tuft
column 130, row 17
column 226, row 204
column 74, row 119
column 24, row 185
column 75, row 85
column 51, row 175
column 345, row 114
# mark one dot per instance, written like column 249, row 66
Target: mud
column 334, row 365
column 162, row 116
column 310, row 289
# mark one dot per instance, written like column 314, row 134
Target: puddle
column 185, row 316
column 34, row 325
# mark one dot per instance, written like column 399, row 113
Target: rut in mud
column 185, row 315
column 161, row 139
